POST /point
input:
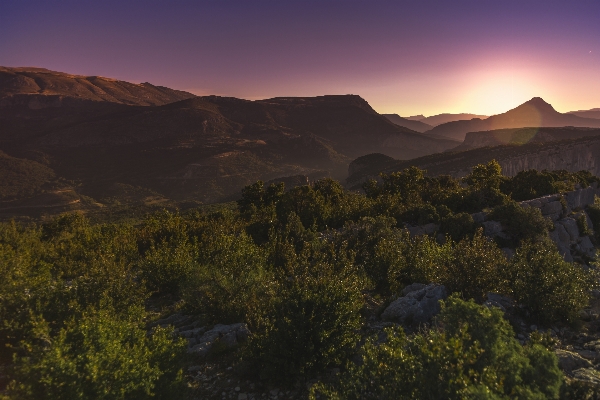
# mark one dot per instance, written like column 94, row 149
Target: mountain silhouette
column 533, row 113
column 407, row 123
column 439, row 119
column 40, row 88
column 593, row 113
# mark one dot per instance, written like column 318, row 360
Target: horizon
column 407, row 59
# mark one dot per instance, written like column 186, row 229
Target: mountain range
column 439, row 119
column 593, row 113
column 533, row 113
column 93, row 141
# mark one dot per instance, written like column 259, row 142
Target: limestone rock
column 589, row 375
column 492, row 228
column 570, row 226
column 496, row 300
column 417, row 306
column 552, row 208
column 569, row 361
column 225, row 335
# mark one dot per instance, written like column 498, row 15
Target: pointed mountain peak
column 538, row 104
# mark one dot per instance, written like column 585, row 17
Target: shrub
column 166, row 264
column 458, row 226
column 475, row 357
column 552, row 289
column 230, row 283
column 475, row 268
column 101, row 357
column 378, row 249
column 314, row 324
column 521, row 223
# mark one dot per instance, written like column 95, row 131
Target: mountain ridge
column 533, row 113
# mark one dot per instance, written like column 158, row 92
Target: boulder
column 496, row 300
column 588, row 375
column 492, row 228
column 225, row 335
column 586, row 247
column 552, row 207
column 479, row 217
column 571, row 228
column 569, row 361
column 419, row 304
column 573, row 199
column 588, row 196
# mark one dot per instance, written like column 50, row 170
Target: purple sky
column 405, row 57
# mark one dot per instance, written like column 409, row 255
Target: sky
column 404, row 57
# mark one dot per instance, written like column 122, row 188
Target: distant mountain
column 197, row 149
column 419, row 117
column 534, row 113
column 439, row 119
column 40, row 88
column 407, row 123
column 593, row 113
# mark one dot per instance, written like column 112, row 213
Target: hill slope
column 535, row 112
column 39, row 87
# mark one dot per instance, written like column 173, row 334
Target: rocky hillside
column 533, row 113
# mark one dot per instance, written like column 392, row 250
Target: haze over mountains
column 71, row 136
column 408, row 123
column 593, row 113
column 533, row 113
column 439, row 119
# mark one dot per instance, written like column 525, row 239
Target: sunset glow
column 402, row 57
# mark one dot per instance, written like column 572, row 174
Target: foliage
column 475, row 356
column 102, row 357
column 521, row 223
column 458, row 226
column 552, row 289
column 314, row 322
column 230, row 282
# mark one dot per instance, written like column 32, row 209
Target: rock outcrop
column 418, row 305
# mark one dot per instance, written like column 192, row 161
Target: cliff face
column 474, row 140
column 573, row 157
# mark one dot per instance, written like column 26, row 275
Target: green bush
column 552, row 289
column 458, row 226
column 314, row 324
column 230, row 283
column 99, row 356
column 475, row 269
column 165, row 265
column 476, row 356
column 521, row 223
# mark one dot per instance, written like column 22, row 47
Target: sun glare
column 497, row 94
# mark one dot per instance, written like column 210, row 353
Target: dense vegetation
column 298, row 267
